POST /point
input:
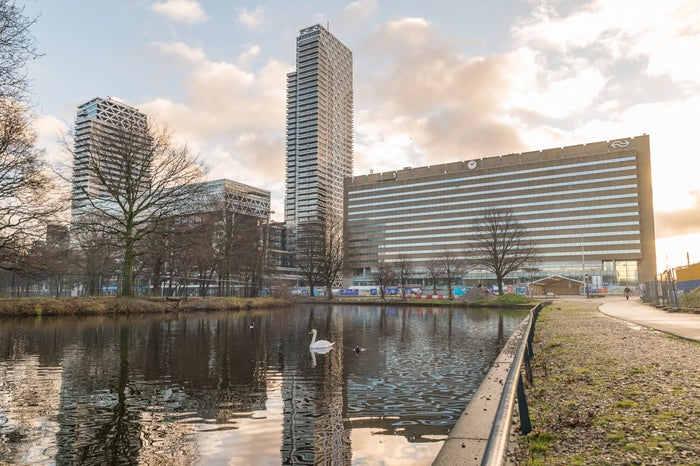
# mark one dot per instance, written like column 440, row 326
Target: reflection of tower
column 333, row 445
column 319, row 129
column 314, row 432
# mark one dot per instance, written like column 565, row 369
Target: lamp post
column 583, row 266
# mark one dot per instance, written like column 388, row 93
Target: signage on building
column 619, row 144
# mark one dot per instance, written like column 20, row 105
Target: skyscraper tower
column 105, row 130
column 319, row 129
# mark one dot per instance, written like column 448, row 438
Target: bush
column 692, row 299
column 512, row 298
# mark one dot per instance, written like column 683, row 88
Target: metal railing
column 480, row 436
column 497, row 444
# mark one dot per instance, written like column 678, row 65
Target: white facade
column 100, row 126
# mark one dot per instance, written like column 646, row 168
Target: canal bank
column 610, row 390
column 25, row 307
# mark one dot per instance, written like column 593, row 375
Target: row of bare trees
column 499, row 246
column 147, row 218
column 216, row 251
column 319, row 254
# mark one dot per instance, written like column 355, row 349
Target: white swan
column 318, row 343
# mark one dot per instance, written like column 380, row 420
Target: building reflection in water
column 207, row 388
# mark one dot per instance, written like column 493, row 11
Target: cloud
column 233, row 117
column 358, row 12
column 598, row 71
column 182, row 51
column 603, row 71
column 50, row 133
column 251, row 19
column 679, row 222
column 186, row 11
column 245, row 58
column 425, row 103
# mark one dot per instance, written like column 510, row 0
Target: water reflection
column 212, row 388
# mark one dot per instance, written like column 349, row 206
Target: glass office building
column 587, row 208
column 319, row 129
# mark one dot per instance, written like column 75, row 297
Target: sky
column 438, row 81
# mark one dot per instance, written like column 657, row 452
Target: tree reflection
column 107, row 432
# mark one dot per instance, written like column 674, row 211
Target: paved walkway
column 634, row 310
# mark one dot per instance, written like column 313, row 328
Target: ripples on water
column 205, row 388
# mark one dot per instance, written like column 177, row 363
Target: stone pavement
column 634, row 310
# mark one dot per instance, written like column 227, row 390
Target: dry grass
column 608, row 392
column 113, row 306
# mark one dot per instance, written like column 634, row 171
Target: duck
column 318, row 343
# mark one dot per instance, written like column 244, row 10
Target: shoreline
column 27, row 307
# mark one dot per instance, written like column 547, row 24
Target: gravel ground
column 609, row 392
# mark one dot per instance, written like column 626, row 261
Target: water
column 208, row 389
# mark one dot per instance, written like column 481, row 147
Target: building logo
column 620, row 144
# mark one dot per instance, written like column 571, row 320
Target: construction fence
column 15, row 285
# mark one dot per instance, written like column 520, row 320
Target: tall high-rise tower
column 108, row 133
column 319, row 129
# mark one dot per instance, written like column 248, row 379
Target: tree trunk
column 128, row 270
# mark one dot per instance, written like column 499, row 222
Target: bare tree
column 308, row 252
column 501, row 245
column 331, row 256
column 156, row 181
column 384, row 275
column 452, row 266
column 404, row 270
column 25, row 203
column 96, row 261
column 249, row 251
column 434, row 269
column 17, row 48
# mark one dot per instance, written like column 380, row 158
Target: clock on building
column 471, row 164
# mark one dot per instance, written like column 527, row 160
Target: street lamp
column 585, row 283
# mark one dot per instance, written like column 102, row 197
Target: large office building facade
column 587, row 209
column 104, row 130
column 319, row 139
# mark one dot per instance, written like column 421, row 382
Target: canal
column 243, row 387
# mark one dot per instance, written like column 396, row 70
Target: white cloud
column 601, row 71
column 359, row 11
column 245, row 58
column 181, row 50
column 186, row 11
column 251, row 19
column 51, row 132
column 552, row 93
column 234, row 118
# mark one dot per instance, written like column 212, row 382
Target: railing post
column 525, row 424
